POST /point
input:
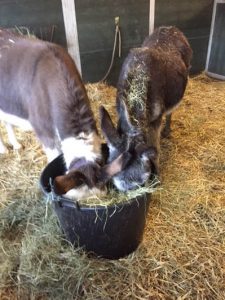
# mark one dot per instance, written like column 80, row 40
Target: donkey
column 41, row 90
column 151, row 84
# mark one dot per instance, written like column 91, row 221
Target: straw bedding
column 182, row 255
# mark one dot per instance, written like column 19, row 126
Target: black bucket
column 110, row 232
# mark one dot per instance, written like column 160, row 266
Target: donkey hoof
column 16, row 146
column 3, row 150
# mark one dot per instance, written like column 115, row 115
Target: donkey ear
column 124, row 124
column 62, row 184
column 116, row 166
column 108, row 129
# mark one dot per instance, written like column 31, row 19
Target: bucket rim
column 66, row 202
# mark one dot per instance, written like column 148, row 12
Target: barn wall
column 96, row 30
column 193, row 17
column 38, row 16
column 96, row 27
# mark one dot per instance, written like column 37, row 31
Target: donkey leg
column 167, row 128
column 47, row 137
column 3, row 149
column 50, row 146
column 11, row 136
column 154, row 141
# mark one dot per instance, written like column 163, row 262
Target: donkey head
column 127, row 139
column 85, row 179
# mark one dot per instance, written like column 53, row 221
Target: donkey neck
column 87, row 146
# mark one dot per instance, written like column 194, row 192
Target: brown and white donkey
column 41, row 90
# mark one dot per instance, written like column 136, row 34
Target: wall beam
column 151, row 15
column 70, row 22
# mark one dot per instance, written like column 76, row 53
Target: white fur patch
column 57, row 134
column 83, row 193
column 157, row 110
column 51, row 153
column 16, row 121
column 123, row 186
column 145, row 176
column 119, row 184
column 144, row 158
column 88, row 146
column 2, row 147
column 111, row 149
column 11, row 136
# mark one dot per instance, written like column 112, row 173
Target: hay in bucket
column 113, row 197
column 182, row 255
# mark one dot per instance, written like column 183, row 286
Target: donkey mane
column 76, row 101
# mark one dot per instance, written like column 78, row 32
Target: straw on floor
column 182, row 255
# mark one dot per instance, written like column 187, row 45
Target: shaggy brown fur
column 164, row 59
column 151, row 84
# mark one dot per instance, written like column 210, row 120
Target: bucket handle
column 57, row 198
